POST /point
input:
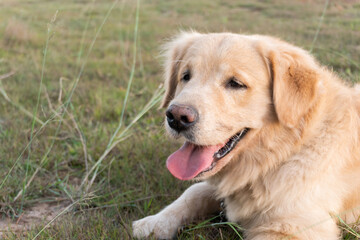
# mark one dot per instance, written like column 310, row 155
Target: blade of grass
column 132, row 72
column 111, row 144
column 69, row 97
column 49, row 35
column 319, row 26
column 123, row 134
column 348, row 228
column 81, row 136
column 83, row 34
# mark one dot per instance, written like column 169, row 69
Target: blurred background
column 82, row 144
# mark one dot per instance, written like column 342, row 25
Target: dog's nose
column 181, row 117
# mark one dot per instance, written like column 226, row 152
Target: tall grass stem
column 319, row 26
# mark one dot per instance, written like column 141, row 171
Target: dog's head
column 222, row 89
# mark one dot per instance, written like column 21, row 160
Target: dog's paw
column 162, row 228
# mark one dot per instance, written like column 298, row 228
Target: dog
column 268, row 131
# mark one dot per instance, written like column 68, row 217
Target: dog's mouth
column 192, row 160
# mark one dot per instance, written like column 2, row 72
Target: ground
column 65, row 68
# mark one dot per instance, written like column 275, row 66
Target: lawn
column 82, row 141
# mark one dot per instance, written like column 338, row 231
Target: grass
column 78, row 116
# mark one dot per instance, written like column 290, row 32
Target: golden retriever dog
column 268, row 132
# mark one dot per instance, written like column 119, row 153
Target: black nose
column 181, row 117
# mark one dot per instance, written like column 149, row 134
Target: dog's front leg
column 197, row 201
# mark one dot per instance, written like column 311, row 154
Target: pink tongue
column 190, row 160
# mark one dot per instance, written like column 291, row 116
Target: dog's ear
column 174, row 52
column 295, row 76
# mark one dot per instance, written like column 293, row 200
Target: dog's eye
column 235, row 84
column 186, row 76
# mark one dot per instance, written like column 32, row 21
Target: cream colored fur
column 299, row 165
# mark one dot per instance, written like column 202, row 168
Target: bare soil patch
column 40, row 213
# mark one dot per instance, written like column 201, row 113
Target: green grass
column 86, row 67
